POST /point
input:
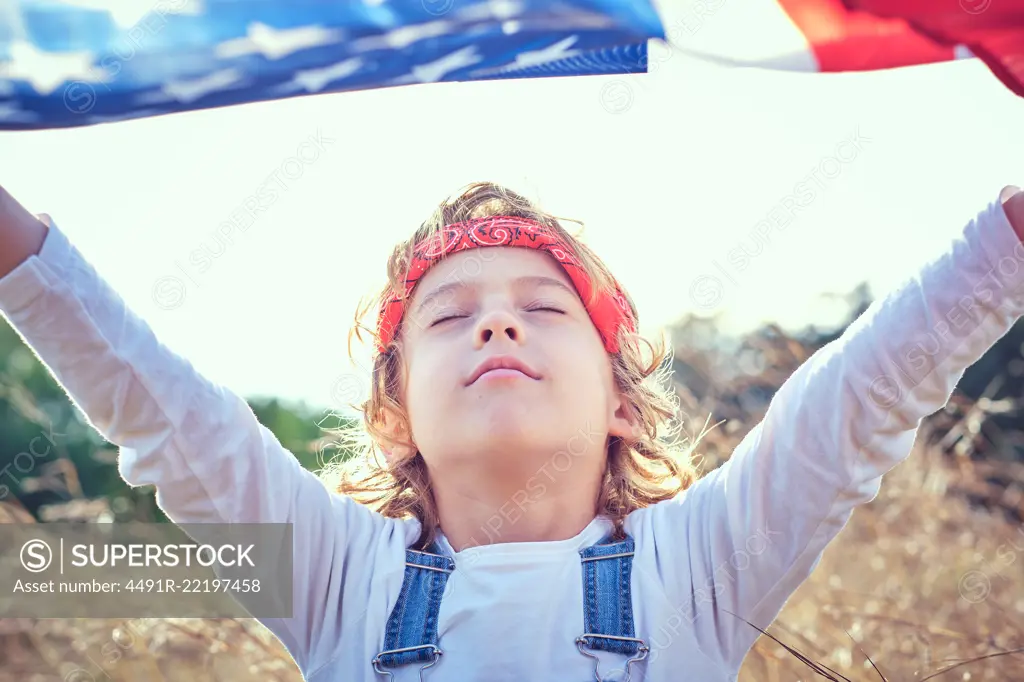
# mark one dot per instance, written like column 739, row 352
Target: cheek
column 587, row 374
column 426, row 378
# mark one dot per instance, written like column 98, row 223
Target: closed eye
column 446, row 319
column 546, row 308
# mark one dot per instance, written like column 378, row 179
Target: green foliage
column 50, row 454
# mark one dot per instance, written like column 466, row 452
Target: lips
column 502, row 362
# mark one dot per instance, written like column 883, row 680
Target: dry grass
column 918, row 581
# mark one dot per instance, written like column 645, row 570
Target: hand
column 21, row 233
column 1012, row 199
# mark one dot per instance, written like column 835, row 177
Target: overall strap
column 608, row 603
column 411, row 633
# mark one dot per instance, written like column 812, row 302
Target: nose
column 499, row 325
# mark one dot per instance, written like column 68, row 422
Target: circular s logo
column 438, row 7
column 975, row 6
column 36, row 556
column 168, row 292
column 616, row 97
column 79, row 97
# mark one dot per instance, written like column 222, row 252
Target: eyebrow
column 526, row 280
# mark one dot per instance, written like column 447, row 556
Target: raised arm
column 745, row 536
column 21, row 233
column 199, row 444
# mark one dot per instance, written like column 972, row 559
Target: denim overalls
column 411, row 635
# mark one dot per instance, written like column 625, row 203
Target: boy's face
column 519, row 304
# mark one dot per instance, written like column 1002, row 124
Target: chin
column 516, row 420
column 512, row 403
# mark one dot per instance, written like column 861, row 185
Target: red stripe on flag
column 993, row 30
column 845, row 40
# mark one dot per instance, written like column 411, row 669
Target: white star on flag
column 127, row 13
column 548, row 54
column 434, row 71
column 45, row 71
column 525, row 60
column 496, row 9
column 314, row 80
column 187, row 91
column 402, row 37
column 273, row 43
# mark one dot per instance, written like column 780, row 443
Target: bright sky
column 671, row 171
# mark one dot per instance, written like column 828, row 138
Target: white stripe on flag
column 737, row 33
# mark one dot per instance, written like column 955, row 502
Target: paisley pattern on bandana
column 608, row 313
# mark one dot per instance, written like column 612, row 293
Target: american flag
column 851, row 35
column 66, row 63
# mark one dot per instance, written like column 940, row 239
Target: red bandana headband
column 609, row 313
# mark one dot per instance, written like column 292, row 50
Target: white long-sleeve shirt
column 740, row 540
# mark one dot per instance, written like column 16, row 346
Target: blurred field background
column 926, row 582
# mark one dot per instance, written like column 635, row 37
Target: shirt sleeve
column 199, row 444
column 739, row 541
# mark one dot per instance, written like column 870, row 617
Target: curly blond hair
column 654, row 467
